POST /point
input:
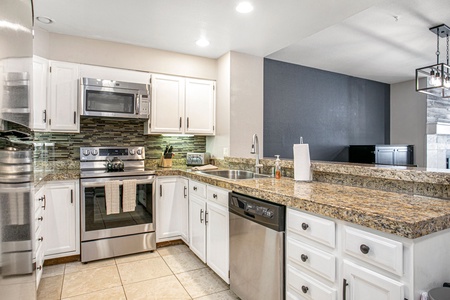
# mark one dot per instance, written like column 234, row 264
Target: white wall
column 409, row 118
column 246, row 100
column 219, row 145
column 110, row 54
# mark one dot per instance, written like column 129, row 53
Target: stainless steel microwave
column 110, row 98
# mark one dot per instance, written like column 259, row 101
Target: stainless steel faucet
column 255, row 150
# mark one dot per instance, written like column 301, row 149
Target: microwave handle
column 101, row 184
column 138, row 104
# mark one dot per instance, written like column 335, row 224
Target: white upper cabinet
column 181, row 105
column 114, row 74
column 63, row 98
column 39, row 111
column 167, row 104
column 200, row 106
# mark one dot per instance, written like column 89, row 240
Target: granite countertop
column 404, row 215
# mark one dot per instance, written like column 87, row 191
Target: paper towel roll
column 302, row 163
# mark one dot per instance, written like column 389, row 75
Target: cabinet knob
column 40, row 218
column 39, row 268
column 195, row 188
column 305, row 289
column 305, row 226
column 214, row 196
column 364, row 249
column 304, row 257
column 41, row 239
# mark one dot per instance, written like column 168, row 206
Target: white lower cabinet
column 208, row 226
column 38, row 240
column 171, row 209
column 352, row 262
column 62, row 219
column 362, row 283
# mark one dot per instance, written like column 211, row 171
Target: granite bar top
column 405, row 215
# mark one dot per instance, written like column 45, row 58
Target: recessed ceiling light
column 202, row 42
column 244, row 7
column 44, row 20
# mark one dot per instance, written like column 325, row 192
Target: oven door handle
column 101, row 184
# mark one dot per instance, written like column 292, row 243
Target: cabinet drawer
column 312, row 227
column 302, row 286
column 318, row 261
column 217, row 195
column 379, row 251
column 198, row 189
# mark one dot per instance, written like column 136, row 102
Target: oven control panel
column 107, row 153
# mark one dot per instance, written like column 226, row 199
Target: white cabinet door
column 61, row 225
column 365, row 284
column 200, row 106
column 39, row 96
column 197, row 228
column 167, row 104
column 90, row 71
column 218, row 239
column 172, row 209
column 63, row 102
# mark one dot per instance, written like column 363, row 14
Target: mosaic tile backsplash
column 99, row 132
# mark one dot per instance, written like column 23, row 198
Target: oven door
column 96, row 224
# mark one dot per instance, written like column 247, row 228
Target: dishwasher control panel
column 257, row 209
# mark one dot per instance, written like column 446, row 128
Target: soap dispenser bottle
column 277, row 167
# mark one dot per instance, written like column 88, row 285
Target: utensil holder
column 165, row 162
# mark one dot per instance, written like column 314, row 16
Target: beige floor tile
column 183, row 262
column 225, row 295
column 50, row 288
column 143, row 270
column 136, row 257
column 159, row 288
column 79, row 266
column 201, row 282
column 50, row 271
column 90, row 280
column 115, row 293
column 170, row 250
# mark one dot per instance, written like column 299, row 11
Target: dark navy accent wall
column 330, row 111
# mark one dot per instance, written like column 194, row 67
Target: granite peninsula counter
column 402, row 214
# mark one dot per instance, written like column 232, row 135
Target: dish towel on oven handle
column 112, row 197
column 129, row 195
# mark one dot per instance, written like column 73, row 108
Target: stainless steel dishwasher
column 256, row 248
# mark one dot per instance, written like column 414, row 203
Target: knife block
column 165, row 162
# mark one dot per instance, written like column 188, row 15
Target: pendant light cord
column 437, row 49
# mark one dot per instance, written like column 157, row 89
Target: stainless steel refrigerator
column 17, row 272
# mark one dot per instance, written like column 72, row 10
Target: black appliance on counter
column 398, row 155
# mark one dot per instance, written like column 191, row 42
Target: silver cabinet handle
column 185, row 192
column 201, row 215
column 206, row 217
column 71, row 196
column 44, row 114
column 74, row 117
column 180, row 122
column 187, row 122
column 160, row 190
column 45, row 201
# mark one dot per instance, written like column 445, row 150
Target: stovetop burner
column 112, row 162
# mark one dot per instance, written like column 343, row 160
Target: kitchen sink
column 235, row 174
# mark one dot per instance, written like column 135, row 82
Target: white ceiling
column 354, row 37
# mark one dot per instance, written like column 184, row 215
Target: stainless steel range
column 117, row 202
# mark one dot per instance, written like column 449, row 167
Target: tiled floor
column 172, row 272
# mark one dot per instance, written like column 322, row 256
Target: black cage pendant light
column 435, row 79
